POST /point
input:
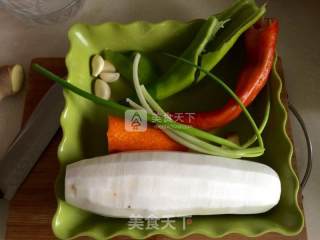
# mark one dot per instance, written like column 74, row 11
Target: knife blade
column 31, row 142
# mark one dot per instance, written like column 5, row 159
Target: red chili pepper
column 260, row 43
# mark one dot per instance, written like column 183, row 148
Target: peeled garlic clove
column 97, row 65
column 109, row 77
column 102, row 89
column 108, row 67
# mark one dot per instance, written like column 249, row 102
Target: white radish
column 170, row 184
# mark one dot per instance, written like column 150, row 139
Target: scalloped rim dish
column 83, row 122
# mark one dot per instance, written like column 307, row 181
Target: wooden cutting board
column 33, row 207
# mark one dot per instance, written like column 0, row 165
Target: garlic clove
column 97, row 65
column 109, row 77
column 102, row 89
column 108, row 67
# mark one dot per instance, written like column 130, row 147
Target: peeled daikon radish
column 170, row 184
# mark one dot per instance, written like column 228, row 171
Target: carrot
column 120, row 140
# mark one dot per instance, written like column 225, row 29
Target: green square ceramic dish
column 84, row 127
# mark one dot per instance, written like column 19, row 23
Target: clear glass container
column 43, row 11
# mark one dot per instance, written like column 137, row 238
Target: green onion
column 142, row 93
column 137, row 84
column 134, row 105
column 185, row 139
column 195, row 140
column 198, row 145
column 112, row 106
column 263, row 123
column 206, row 147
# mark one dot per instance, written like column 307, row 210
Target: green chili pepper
column 242, row 15
column 208, row 47
column 123, row 64
column 180, row 75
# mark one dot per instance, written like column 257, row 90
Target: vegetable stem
column 112, row 106
column 263, row 123
column 185, row 139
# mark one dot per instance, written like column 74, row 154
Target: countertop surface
column 298, row 46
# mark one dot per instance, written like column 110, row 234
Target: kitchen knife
column 31, row 142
